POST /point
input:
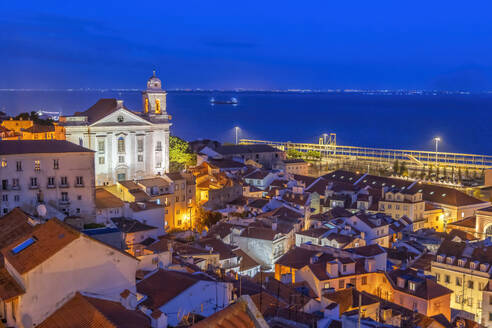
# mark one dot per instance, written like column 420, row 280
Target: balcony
column 79, row 185
column 64, row 202
column 63, row 185
column 16, row 187
column 33, row 186
column 50, row 186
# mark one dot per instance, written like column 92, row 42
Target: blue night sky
column 247, row 44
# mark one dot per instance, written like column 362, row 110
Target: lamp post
column 236, row 129
column 437, row 139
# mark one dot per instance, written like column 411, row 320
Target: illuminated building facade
column 28, row 130
column 128, row 144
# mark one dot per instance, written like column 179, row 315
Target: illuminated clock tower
column 154, row 98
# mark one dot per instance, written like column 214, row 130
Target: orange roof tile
column 88, row 312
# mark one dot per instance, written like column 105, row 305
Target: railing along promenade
column 381, row 155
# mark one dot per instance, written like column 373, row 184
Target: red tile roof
column 83, row 311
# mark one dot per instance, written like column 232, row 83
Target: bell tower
column 154, row 98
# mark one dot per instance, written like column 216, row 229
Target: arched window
column 146, row 105
column 121, row 145
column 157, row 106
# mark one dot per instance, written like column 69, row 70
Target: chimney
column 274, row 226
column 158, row 319
column 128, row 300
column 332, row 269
column 370, row 265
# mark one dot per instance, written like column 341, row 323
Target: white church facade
column 127, row 144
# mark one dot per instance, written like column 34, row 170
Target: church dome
column 154, row 82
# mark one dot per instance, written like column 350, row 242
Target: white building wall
column 200, row 295
column 84, row 265
column 81, row 199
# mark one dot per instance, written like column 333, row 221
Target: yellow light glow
column 157, row 106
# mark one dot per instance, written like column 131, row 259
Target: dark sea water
column 463, row 122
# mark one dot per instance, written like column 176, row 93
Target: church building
column 127, row 144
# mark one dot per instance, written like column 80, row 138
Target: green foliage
column 313, row 154
column 403, row 169
column 33, row 116
column 292, row 153
column 396, row 167
column 206, row 218
column 180, row 155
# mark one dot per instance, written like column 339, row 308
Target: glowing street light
column 236, row 129
column 437, row 139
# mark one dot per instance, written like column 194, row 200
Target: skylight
column 22, row 246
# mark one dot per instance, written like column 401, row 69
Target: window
column 341, row 283
column 438, row 277
column 446, row 279
column 490, row 315
column 120, row 118
column 64, row 181
column 5, row 198
column 79, row 181
column 51, row 181
column 100, row 146
column 327, row 285
column 56, row 164
column 364, row 280
column 22, row 246
column 458, row 299
column 158, row 164
column 77, row 210
column 157, row 106
column 101, row 160
column 459, row 281
column 64, row 196
column 37, row 165
column 16, row 198
column 121, row 159
column 344, row 268
column 4, row 163
column 176, row 187
column 470, row 284
column 18, row 165
column 34, row 182
column 15, row 183
column 140, row 158
column 158, row 146
column 140, row 145
column 121, row 145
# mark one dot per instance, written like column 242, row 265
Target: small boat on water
column 231, row 101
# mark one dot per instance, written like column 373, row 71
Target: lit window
column 157, row 106
column 4, row 163
column 37, row 165
column 121, row 145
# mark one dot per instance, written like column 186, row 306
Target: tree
column 313, row 154
column 403, row 169
column 206, row 218
column 180, row 154
column 292, row 153
column 396, row 167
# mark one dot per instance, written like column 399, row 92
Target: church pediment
column 121, row 117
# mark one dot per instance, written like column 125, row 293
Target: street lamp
column 437, row 139
column 236, row 129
